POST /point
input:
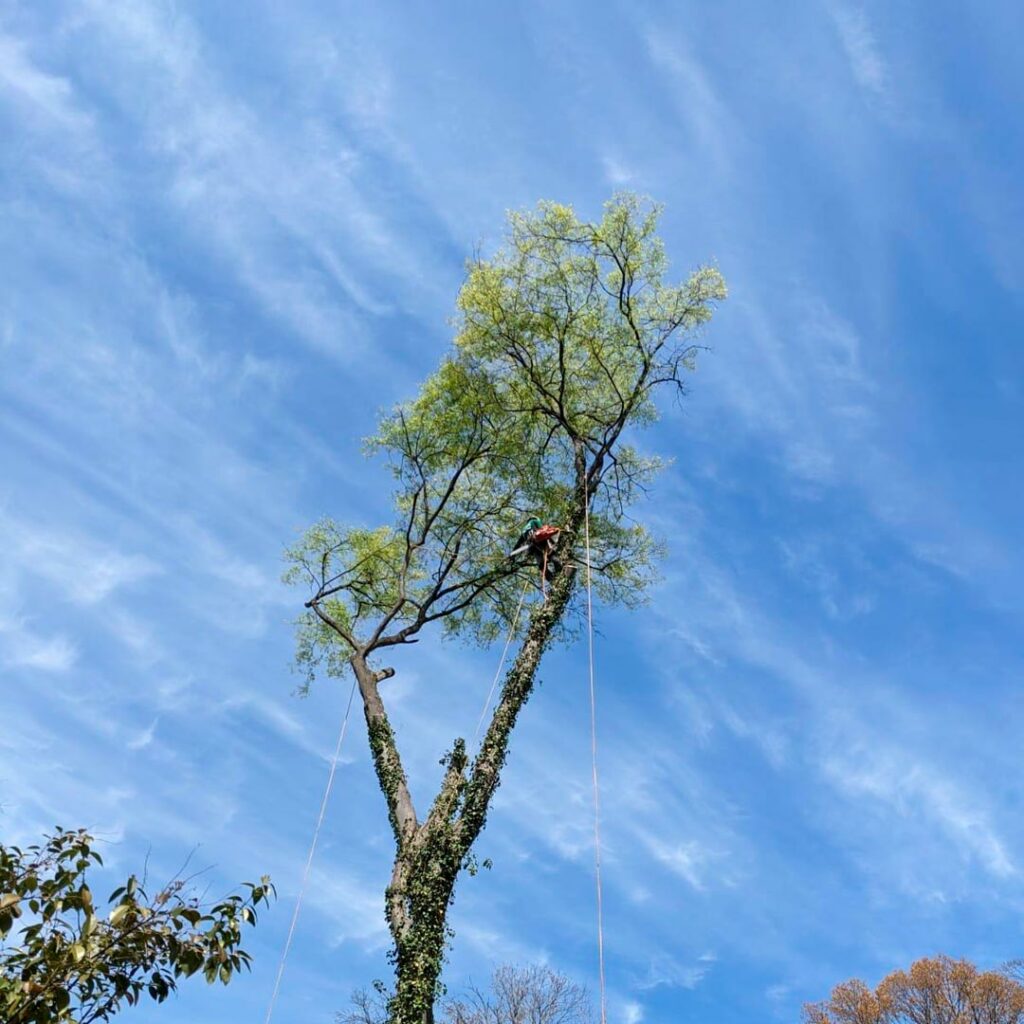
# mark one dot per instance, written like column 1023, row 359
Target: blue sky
column 231, row 233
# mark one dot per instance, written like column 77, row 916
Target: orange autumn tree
column 936, row 990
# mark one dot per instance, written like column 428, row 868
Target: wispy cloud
column 869, row 759
column 617, row 173
column 689, row 860
column 261, row 187
column 693, row 96
column 632, row 1013
column 911, row 787
column 144, row 738
column 80, row 569
column 351, row 910
column 860, row 45
column 666, row 971
column 50, row 95
column 23, row 646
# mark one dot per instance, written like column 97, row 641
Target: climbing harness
column 545, row 539
column 538, row 539
column 544, row 534
column 309, row 859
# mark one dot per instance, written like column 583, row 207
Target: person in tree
column 538, row 541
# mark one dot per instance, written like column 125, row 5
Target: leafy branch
column 69, row 962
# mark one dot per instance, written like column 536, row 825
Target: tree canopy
column 562, row 338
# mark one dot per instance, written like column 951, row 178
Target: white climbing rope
column 309, row 859
column 501, row 664
column 593, row 764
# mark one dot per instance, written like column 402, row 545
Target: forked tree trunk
column 430, row 854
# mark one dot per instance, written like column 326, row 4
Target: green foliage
column 570, row 317
column 71, row 961
column 562, row 337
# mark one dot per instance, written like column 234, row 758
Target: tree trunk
column 419, row 952
column 422, row 884
column 430, row 855
column 426, row 869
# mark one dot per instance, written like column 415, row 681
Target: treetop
column 562, row 337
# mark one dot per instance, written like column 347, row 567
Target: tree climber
column 538, row 540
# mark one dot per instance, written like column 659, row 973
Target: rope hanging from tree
column 593, row 764
column 501, row 663
column 309, row 858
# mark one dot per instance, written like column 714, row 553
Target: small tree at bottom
column 935, row 990
column 533, row 994
column 62, row 958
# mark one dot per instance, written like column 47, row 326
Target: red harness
column 541, row 536
column 543, row 533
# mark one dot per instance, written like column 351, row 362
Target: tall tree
column 936, row 990
column 564, row 336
